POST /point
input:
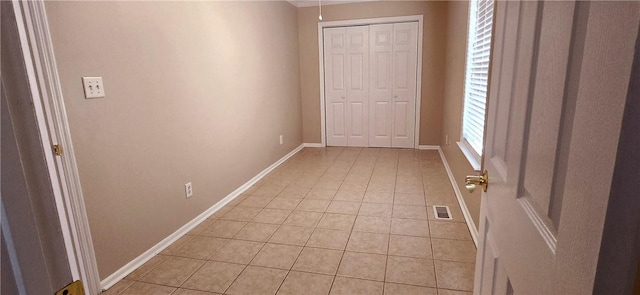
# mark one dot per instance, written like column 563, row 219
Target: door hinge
column 57, row 149
column 74, row 288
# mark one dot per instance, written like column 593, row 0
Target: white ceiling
column 307, row 3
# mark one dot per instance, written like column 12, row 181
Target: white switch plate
column 281, row 139
column 188, row 190
column 93, row 87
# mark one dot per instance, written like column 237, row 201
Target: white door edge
column 370, row 21
column 49, row 103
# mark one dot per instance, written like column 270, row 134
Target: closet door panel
column 335, row 58
column 405, row 58
column 357, row 81
column 381, row 89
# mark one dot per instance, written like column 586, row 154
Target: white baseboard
column 312, row 145
column 463, row 206
column 429, row 147
column 140, row 260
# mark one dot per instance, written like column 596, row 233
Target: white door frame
column 361, row 22
column 44, row 82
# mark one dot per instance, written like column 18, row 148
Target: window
column 477, row 75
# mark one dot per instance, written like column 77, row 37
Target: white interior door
column 357, row 77
column 535, row 232
column 370, row 85
column 346, row 53
column 335, row 55
column 394, row 58
column 405, row 64
column 381, row 107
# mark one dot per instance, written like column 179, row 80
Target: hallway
column 327, row 221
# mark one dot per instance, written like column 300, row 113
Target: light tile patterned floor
column 327, row 221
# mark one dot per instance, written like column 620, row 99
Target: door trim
column 48, row 95
column 361, row 22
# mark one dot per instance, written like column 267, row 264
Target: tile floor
column 327, row 221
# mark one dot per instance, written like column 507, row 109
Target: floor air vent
column 442, row 212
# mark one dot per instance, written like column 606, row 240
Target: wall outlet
column 281, row 139
column 93, row 87
column 188, row 190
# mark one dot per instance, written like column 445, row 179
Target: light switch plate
column 93, row 87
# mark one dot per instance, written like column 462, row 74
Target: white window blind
column 477, row 73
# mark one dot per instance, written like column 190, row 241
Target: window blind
column 477, row 73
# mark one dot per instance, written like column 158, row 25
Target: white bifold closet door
column 346, row 52
column 370, row 85
column 393, row 64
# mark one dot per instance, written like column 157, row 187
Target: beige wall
column 457, row 22
column 433, row 53
column 195, row 92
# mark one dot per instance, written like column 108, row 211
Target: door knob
column 472, row 181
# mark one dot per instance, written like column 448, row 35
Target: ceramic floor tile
column 182, row 291
column 343, row 207
column 214, row 276
column 237, row 251
column 291, row 235
column 441, row 198
column 449, row 230
column 241, row 214
column 258, row 280
column 259, row 232
column 375, row 209
column 368, row 242
column 147, row 267
column 120, row 286
column 277, row 256
column 401, row 289
column 283, row 203
column 200, row 227
column 351, row 286
column 255, row 201
column 362, row 266
column 321, row 194
column 452, row 292
column 301, row 218
column 454, row 250
column 350, row 196
column 378, row 197
column 412, row 271
column 305, row 283
column 223, row 228
column 173, row 271
column 328, row 239
column 294, row 192
column 409, row 246
column 337, row 221
column 455, row 275
column 200, row 247
column 138, row 288
column 354, row 186
column 177, row 245
column 323, row 261
column 409, row 211
column 373, row 224
column 273, row 216
column 313, row 205
column 409, row 199
column 410, row 227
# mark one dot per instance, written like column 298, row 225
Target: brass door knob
column 472, row 181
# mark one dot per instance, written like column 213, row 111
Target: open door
column 559, row 81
